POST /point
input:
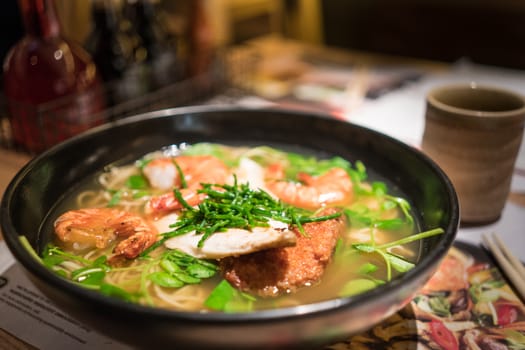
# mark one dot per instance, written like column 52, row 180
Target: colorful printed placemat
column 467, row 304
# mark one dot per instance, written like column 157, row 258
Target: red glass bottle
column 52, row 86
column 201, row 49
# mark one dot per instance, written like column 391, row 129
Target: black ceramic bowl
column 41, row 183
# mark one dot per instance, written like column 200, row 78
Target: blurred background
column 153, row 54
column 486, row 31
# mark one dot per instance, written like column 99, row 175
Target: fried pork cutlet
column 275, row 271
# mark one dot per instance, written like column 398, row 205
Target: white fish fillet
column 232, row 242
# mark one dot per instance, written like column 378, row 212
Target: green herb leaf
column 358, row 175
column 186, row 278
column 367, row 268
column 412, row 238
column 394, row 261
column 137, row 182
column 389, row 224
column 227, row 299
column 379, row 189
column 182, row 178
column 114, row 291
column 115, row 198
column 101, row 261
column 220, row 296
column 169, row 266
column 181, row 200
column 204, row 148
column 404, row 205
column 180, row 269
column 53, row 253
column 200, row 271
column 164, row 279
column 93, row 278
column 137, row 194
column 399, row 263
column 364, row 247
column 388, row 205
column 311, row 165
column 51, row 260
column 82, row 273
column 359, row 216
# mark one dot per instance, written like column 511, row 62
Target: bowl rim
column 39, row 271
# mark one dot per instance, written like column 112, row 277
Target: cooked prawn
column 99, row 227
column 162, row 173
column 311, row 192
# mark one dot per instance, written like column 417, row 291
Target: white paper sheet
column 32, row 317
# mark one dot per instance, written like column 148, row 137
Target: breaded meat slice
column 276, row 271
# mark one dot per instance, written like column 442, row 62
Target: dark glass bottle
column 111, row 48
column 52, row 86
column 153, row 45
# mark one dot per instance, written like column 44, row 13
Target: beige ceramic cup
column 474, row 133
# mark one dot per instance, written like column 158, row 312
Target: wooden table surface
column 11, row 162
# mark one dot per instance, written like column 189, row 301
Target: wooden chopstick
column 511, row 265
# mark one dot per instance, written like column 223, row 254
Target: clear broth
column 344, row 266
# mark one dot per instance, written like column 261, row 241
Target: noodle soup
column 210, row 227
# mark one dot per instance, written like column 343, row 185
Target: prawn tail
column 132, row 246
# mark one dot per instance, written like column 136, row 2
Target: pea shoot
column 226, row 298
column 136, row 187
column 173, row 269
